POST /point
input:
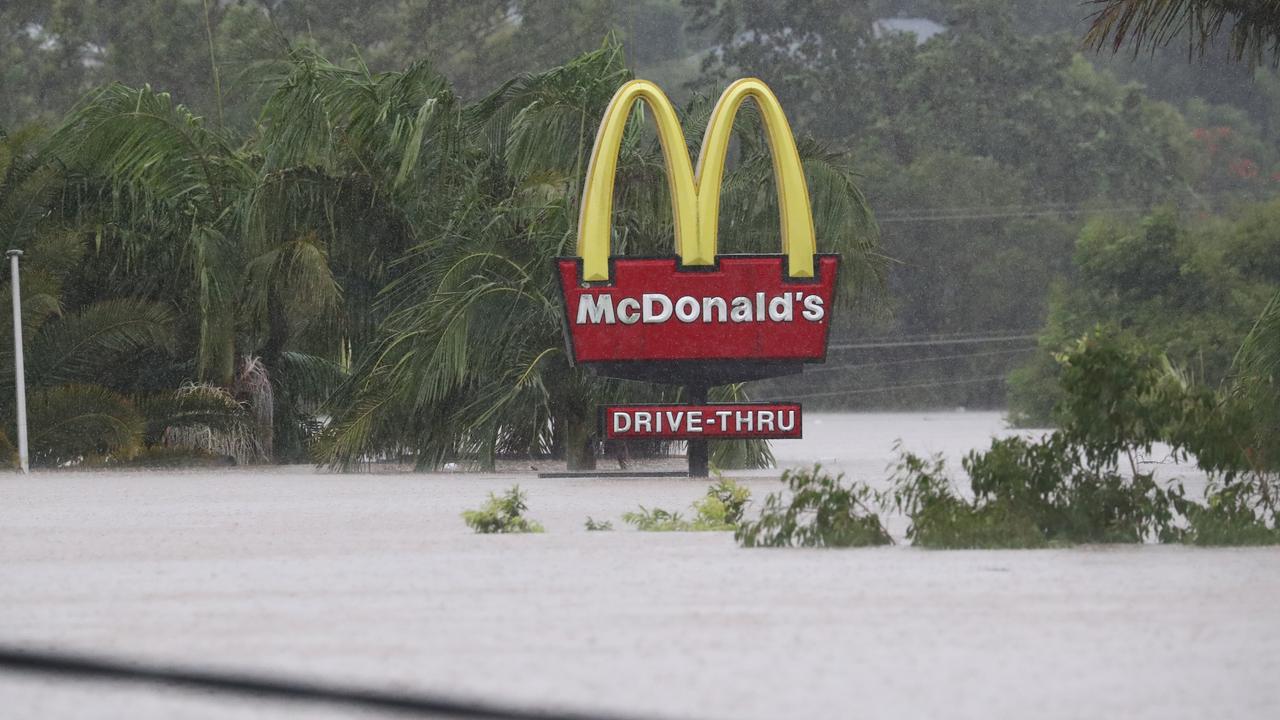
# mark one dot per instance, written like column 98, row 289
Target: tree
column 1193, row 289
column 471, row 359
column 87, row 398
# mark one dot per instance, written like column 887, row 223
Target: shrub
column 720, row 509
column 595, row 526
column 1118, row 399
column 941, row 519
column 1241, row 513
column 502, row 514
column 657, row 520
column 724, row 504
column 822, row 512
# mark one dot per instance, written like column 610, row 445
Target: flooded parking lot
column 373, row 579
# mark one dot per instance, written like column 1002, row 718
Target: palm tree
column 378, row 243
column 1254, row 25
column 200, row 220
column 159, row 189
column 471, row 359
column 85, row 400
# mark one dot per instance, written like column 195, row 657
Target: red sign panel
column 691, row 422
column 744, row 307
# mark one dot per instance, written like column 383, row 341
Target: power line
column 947, row 336
column 983, row 208
column 998, row 215
column 828, row 368
column 859, row 391
column 929, row 213
column 917, row 343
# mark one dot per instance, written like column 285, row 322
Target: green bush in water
column 719, row 510
column 598, row 526
column 942, row 519
column 1233, row 516
column 1118, row 400
column 822, row 511
column 502, row 514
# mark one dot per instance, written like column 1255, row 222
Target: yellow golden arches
column 798, row 242
column 595, row 217
column 695, row 200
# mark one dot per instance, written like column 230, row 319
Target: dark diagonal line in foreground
column 84, row 667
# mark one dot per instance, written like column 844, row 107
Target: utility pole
column 19, row 372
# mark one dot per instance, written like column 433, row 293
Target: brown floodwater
column 373, row 579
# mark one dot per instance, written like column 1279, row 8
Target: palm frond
column 738, row 454
column 202, row 406
column 77, row 423
column 1257, row 383
column 150, row 147
column 79, row 347
column 1254, row 25
column 206, row 418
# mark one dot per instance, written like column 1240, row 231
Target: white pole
column 19, row 372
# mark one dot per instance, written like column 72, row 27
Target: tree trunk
column 579, row 443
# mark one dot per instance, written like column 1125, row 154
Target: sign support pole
column 698, row 459
column 19, row 372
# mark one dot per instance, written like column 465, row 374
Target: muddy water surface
column 373, row 579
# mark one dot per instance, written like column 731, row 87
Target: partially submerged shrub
column 720, row 509
column 502, row 514
column 941, row 519
column 657, row 520
column 1118, row 401
column 822, row 511
column 1239, row 514
column 723, row 505
column 598, row 526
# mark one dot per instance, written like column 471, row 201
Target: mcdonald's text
column 687, row 422
column 745, row 307
column 659, row 308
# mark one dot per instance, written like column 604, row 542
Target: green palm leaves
column 470, row 361
column 1254, row 24
column 377, row 254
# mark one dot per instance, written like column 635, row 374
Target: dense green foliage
column 1118, row 401
column 378, row 251
column 87, row 399
column 986, row 147
column 1194, row 289
column 364, row 243
column 817, row 511
column 502, row 514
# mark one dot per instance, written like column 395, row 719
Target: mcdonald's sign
column 697, row 316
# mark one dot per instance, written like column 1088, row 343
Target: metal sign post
column 19, row 372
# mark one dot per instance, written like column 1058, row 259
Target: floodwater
column 373, row 580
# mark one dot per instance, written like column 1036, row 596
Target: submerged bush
column 719, row 510
column 1118, row 400
column 1028, row 494
column 1242, row 513
column 941, row 519
column 598, row 526
column 657, row 520
column 502, row 514
column 822, row 511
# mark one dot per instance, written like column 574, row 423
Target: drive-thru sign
column 697, row 317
